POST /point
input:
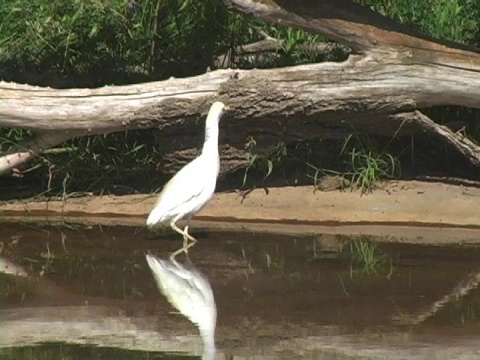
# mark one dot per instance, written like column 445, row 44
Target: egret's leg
column 192, row 239
column 186, row 237
column 186, row 244
column 185, row 230
column 176, row 228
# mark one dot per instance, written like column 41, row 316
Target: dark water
column 87, row 293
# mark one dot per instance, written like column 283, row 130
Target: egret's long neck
column 208, row 342
column 211, row 135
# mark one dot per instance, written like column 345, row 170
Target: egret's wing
column 185, row 186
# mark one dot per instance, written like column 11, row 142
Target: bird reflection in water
column 189, row 291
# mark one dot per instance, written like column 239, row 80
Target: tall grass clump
column 368, row 165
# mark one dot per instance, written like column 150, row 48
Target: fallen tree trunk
column 378, row 92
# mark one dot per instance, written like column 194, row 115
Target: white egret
column 189, row 291
column 193, row 186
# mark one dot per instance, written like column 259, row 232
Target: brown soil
column 438, row 209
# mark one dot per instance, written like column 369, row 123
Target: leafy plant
column 273, row 157
column 368, row 166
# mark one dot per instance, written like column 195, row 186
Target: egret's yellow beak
column 227, row 108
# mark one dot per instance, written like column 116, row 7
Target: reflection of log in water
column 462, row 289
column 39, row 286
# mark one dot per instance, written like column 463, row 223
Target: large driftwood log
column 378, row 91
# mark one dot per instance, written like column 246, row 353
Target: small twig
column 267, row 45
column 27, row 150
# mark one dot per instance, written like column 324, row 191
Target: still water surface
column 87, row 293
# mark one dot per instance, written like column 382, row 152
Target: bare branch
column 466, row 147
column 26, row 151
column 351, row 24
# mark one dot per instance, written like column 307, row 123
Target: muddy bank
column 441, row 212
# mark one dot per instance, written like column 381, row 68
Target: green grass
column 91, row 43
column 361, row 164
column 124, row 162
column 367, row 165
column 456, row 20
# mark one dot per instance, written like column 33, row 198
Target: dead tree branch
column 398, row 72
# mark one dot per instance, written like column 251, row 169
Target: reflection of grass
column 276, row 265
column 366, row 259
column 273, row 262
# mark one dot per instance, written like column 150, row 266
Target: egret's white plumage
column 189, row 291
column 193, row 186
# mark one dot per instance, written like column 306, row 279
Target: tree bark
column 378, row 91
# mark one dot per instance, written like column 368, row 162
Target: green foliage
column 11, row 137
column 117, row 41
column 274, row 158
column 107, row 162
column 88, row 43
column 124, row 162
column 63, row 37
column 457, row 20
column 362, row 164
column 101, row 40
column 368, row 165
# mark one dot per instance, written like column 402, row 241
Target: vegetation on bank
column 86, row 43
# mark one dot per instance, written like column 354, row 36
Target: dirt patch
column 430, row 206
